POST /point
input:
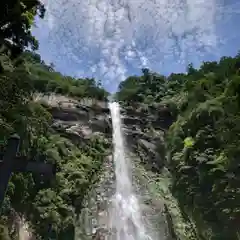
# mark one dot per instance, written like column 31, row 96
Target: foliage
column 149, row 88
column 203, row 143
column 50, row 206
column 16, row 18
column 52, row 209
column 4, row 233
column 206, row 176
column 46, row 80
column 44, row 203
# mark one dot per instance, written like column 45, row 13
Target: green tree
column 16, row 18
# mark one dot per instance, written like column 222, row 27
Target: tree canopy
column 203, row 142
column 16, row 19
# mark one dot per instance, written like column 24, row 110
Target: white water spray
column 24, row 231
column 125, row 217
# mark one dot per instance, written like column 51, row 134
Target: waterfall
column 24, row 231
column 125, row 215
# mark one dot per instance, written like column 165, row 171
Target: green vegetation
column 46, row 80
column 203, row 143
column 149, row 88
column 16, row 19
column 50, row 206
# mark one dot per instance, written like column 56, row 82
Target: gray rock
column 68, row 114
column 80, row 130
column 150, row 155
column 128, row 120
column 100, row 124
column 136, row 134
column 148, row 146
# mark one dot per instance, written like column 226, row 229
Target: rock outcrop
column 78, row 120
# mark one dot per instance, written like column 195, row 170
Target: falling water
column 24, row 231
column 125, row 216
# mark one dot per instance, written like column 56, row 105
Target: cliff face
column 81, row 200
column 79, row 120
column 144, row 132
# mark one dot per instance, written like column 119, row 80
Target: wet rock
column 100, row 108
column 68, row 114
column 171, row 229
column 101, row 234
column 83, row 108
column 79, row 121
column 134, row 111
column 158, row 116
column 148, row 146
column 134, row 135
column 150, row 155
column 128, row 120
column 100, row 124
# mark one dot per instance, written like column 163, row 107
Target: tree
column 203, row 142
column 16, row 18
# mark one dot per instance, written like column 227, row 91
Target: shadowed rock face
column 79, row 121
column 101, row 123
column 151, row 156
column 68, row 114
column 100, row 234
column 133, row 120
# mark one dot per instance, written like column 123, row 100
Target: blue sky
column 112, row 39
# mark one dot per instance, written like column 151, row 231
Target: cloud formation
column 104, row 38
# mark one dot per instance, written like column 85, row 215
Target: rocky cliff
column 144, row 130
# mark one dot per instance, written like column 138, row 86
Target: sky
column 113, row 39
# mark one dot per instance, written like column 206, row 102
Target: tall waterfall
column 125, row 216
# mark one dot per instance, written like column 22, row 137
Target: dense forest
column 203, row 141
column 49, row 205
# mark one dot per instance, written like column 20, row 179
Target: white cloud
column 96, row 33
column 130, row 54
